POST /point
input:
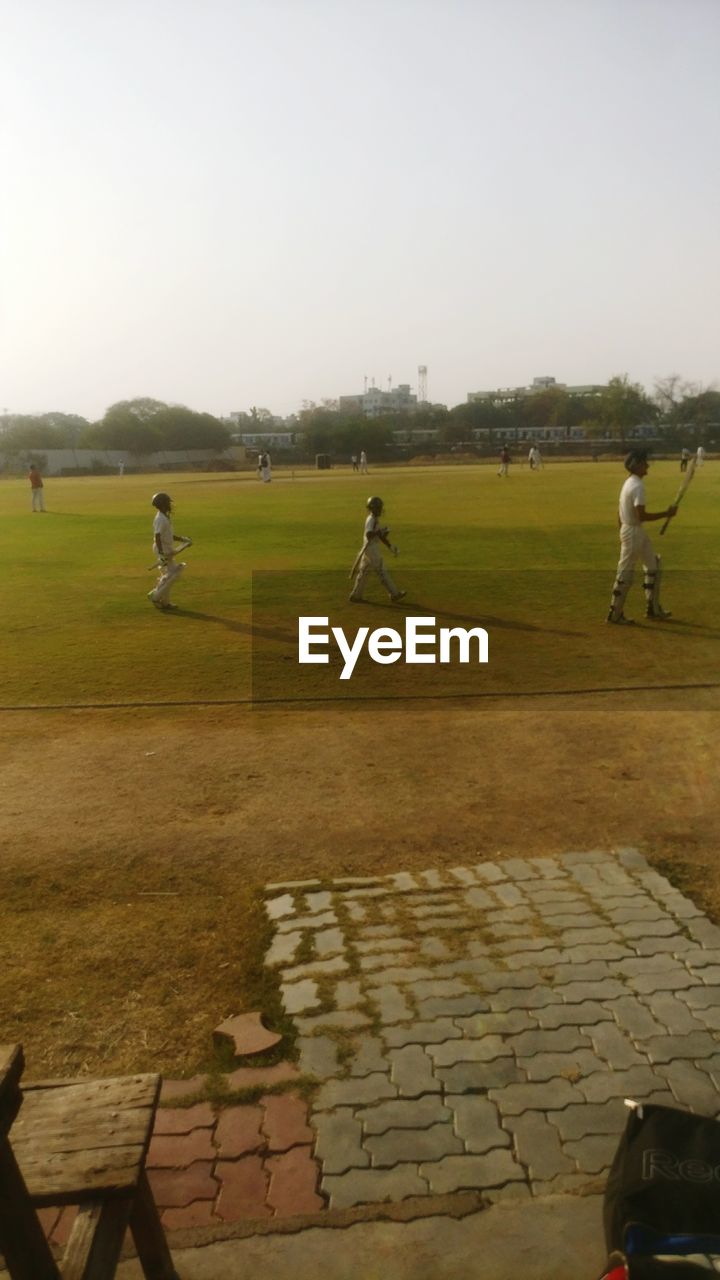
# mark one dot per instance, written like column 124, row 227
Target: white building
column 374, row 402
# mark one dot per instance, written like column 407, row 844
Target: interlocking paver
column 239, row 1132
column 354, row 1092
column 391, row 1004
column 614, row 1046
column 293, row 1181
column 435, row 1032
column 471, row 1077
column 405, row 1113
column 399, row 1146
column 318, row 1056
column 243, row 1189
column 283, row 948
column 453, row 1051
column 372, row 1186
column 634, row 1082
column 608, row 989
column 338, row 1143
column 321, row 901
column 479, row 898
column 175, row 1151
column 298, row 997
column 469, row 1172
column 345, row 1019
column 172, row 1189
column 451, row 1006
column 543, row 999
column 577, row 1121
column 170, row 1120
column 489, row 872
column 594, row 1154
column 526, row 998
column 691, row 1086
column 280, row 906
column 698, row 1044
column 572, row 1065
column 369, row 1056
column 488, row 1024
column 538, row 1146
column 411, row 1070
column 550, row 1096
column 329, row 942
column 561, row 1040
column 674, row 1014
column 565, row 1015
column 477, row 1123
column 285, row 1122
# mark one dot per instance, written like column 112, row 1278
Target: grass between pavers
column 221, row 1095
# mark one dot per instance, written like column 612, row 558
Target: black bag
column 662, row 1199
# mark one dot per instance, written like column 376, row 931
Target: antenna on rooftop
column 389, row 382
column 422, row 383
column 365, row 384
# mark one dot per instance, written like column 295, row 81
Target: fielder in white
column 635, row 544
column 363, row 463
column 700, row 455
column 163, row 544
column 369, row 559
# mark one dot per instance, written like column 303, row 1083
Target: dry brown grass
column 131, row 885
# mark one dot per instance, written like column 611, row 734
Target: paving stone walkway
column 479, row 1028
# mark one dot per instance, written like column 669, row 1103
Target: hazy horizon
column 264, row 202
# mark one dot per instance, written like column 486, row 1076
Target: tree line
column 139, row 426
column 679, row 410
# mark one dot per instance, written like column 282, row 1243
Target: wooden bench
column 82, row 1143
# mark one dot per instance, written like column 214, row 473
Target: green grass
column 531, row 557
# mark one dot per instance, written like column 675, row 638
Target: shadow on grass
column 484, row 620
column 241, row 628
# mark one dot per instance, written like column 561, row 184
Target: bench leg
column 152, row 1248
column 96, row 1239
column 22, row 1242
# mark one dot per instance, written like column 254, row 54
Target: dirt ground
column 135, row 843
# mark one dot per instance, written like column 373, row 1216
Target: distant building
column 505, row 395
column 374, row 402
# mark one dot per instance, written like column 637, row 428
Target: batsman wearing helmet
column 163, row 544
column 369, row 559
column 635, row 544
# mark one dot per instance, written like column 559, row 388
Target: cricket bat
column 681, row 491
column 181, row 546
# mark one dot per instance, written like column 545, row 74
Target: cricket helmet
column 635, row 458
column 375, row 505
column 162, row 501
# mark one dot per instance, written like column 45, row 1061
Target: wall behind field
column 58, row 462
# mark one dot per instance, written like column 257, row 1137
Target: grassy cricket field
column 146, row 797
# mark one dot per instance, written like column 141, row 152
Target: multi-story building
column 374, row 402
column 505, row 395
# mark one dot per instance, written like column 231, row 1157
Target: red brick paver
column 176, row 1151
column 184, row 1119
column 285, row 1121
column 238, row 1132
column 293, row 1179
column 243, row 1189
column 173, row 1188
column 208, row 1166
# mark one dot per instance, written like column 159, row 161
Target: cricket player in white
column 163, row 540
column 369, row 559
column 635, row 544
column 363, row 463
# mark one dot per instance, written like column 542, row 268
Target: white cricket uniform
column 371, row 561
column 363, row 463
column 700, row 456
column 634, row 544
column 266, row 469
column 163, row 533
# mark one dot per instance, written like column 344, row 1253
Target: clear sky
column 234, row 202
